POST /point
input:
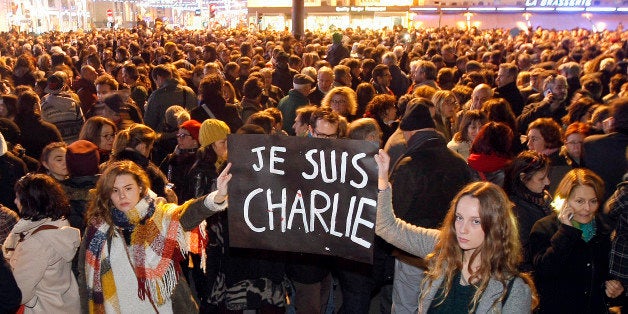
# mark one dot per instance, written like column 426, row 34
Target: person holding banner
column 472, row 260
column 129, row 257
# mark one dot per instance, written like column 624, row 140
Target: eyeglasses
column 182, row 135
column 108, row 136
column 323, row 135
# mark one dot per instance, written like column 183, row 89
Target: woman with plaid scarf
column 134, row 241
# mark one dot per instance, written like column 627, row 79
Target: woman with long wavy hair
column 472, row 260
column 129, row 261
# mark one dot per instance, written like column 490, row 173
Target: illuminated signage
column 360, row 9
column 558, row 3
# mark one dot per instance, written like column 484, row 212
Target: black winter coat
column 426, row 179
column 528, row 213
column 569, row 273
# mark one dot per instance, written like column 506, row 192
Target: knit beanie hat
column 82, row 158
column 212, row 130
column 416, row 117
column 193, row 127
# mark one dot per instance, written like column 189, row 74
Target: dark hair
column 578, row 109
column 26, row 103
column 379, row 70
column 498, row 110
column 467, row 119
column 210, row 86
column 162, row 71
column 41, row 197
column 550, row 131
column 263, row 119
column 527, row 163
column 494, row 138
column 10, row 102
column 252, row 88
column 619, row 112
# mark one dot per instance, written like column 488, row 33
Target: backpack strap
column 40, row 228
column 508, row 289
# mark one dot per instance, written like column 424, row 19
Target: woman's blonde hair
column 132, row 136
column 348, row 93
column 579, row 177
column 499, row 253
column 100, row 207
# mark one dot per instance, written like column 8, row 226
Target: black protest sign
column 306, row 195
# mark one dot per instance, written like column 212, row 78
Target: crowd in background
column 541, row 115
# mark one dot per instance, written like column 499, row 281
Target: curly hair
column 40, row 196
column 100, row 207
column 499, row 253
column 378, row 105
column 349, row 95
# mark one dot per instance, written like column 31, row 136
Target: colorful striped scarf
column 155, row 246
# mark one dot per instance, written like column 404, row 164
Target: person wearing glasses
column 324, row 123
column 342, row 100
column 100, row 131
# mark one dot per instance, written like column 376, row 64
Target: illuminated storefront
column 325, row 15
column 44, row 15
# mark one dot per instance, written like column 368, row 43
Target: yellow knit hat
column 212, row 130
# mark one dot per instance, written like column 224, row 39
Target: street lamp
column 588, row 17
column 468, row 15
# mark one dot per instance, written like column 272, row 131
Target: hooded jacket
column 41, row 264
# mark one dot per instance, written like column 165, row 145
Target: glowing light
column 600, row 9
column 482, row 9
column 510, row 9
column 568, row 9
column 601, row 26
column 558, row 203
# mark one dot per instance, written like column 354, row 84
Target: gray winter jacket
column 421, row 241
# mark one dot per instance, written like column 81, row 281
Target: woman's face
column 536, row 142
column 448, row 107
column 220, row 147
column 538, row 181
column 338, row 103
column 390, row 114
column 55, row 163
column 574, row 145
column 106, row 138
column 584, row 203
column 468, row 224
column 473, row 130
column 125, row 193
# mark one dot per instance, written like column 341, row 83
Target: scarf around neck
column 588, row 229
column 155, row 244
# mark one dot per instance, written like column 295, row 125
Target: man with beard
column 552, row 106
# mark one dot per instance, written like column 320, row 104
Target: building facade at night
column 44, row 15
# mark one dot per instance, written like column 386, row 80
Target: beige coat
column 42, row 265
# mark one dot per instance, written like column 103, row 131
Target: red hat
column 191, row 126
column 82, row 158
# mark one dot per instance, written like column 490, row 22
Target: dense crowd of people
column 502, row 168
